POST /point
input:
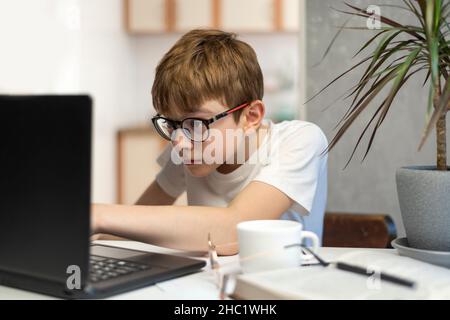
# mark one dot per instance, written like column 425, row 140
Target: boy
column 234, row 164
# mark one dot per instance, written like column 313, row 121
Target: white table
column 200, row 285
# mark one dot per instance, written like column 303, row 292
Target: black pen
column 383, row 276
column 355, row 269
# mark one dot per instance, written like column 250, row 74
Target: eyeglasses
column 195, row 129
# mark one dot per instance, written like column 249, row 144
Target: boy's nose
column 180, row 140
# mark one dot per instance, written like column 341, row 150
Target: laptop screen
column 45, row 164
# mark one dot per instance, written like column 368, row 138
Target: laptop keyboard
column 102, row 268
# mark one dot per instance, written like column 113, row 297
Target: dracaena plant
column 400, row 52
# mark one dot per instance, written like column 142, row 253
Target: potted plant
column 402, row 52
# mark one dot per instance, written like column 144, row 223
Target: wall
column 367, row 187
column 72, row 46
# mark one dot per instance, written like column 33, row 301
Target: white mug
column 262, row 244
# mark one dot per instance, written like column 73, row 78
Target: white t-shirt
column 289, row 158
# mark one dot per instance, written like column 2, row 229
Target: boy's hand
column 96, row 211
column 95, row 219
column 97, row 236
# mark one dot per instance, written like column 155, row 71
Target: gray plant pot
column 424, row 197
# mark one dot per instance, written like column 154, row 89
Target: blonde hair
column 203, row 65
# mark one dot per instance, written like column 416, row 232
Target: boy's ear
column 253, row 115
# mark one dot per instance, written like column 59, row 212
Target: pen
column 359, row 270
column 383, row 276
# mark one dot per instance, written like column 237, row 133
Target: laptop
column 45, row 199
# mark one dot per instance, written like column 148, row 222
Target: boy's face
column 222, row 146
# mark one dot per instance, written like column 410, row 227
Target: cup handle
column 315, row 243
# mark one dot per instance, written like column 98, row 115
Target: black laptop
column 45, row 178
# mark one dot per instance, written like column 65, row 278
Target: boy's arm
column 187, row 227
column 154, row 195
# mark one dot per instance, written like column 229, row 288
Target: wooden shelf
column 243, row 16
column 137, row 151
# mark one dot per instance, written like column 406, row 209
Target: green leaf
column 374, row 86
column 373, row 68
column 437, row 16
column 398, row 82
column 359, row 108
column 386, row 105
column 369, row 42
